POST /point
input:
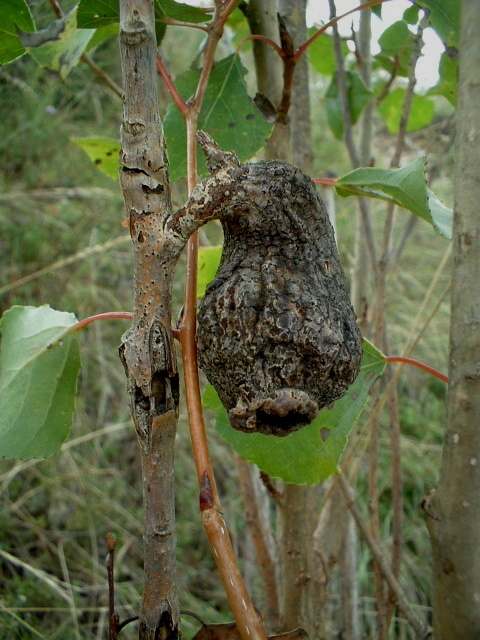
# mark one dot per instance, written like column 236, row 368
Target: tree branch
column 147, row 348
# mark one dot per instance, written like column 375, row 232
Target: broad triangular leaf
column 311, row 454
column 14, row 14
column 39, row 367
column 227, row 114
column 406, row 187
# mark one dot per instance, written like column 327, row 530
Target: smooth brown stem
column 419, row 365
column 216, row 31
column 249, row 622
column 109, row 315
column 176, row 97
column 258, row 36
column 56, row 8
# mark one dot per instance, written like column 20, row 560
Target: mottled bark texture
column 277, row 335
column 147, row 350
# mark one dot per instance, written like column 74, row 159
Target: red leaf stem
column 109, row 315
column 419, row 365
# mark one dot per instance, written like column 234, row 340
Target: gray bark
column 453, row 512
column 147, row 350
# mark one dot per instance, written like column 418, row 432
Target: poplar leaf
column 39, row 364
column 406, row 187
column 228, row 115
column 14, row 14
column 311, row 454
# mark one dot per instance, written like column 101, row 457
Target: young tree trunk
column 453, row 511
column 147, row 349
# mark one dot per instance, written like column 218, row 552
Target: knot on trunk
column 277, row 334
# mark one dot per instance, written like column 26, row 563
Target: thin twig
column 420, row 628
column 419, row 365
column 394, row 430
column 113, row 618
column 109, row 315
column 104, row 77
column 178, row 23
column 349, row 141
column 176, row 97
column 333, row 21
column 259, row 36
column 101, row 75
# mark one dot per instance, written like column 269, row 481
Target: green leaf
column 406, row 187
column 441, row 216
column 395, row 48
column 208, row 261
column 410, row 15
column 13, row 14
column 448, row 77
column 444, row 16
column 227, row 114
column 59, row 46
column 184, row 12
column 96, row 13
column 421, row 111
column 358, row 97
column 320, row 52
column 103, row 33
column 40, row 363
column 311, row 454
column 104, row 152
column 92, row 14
